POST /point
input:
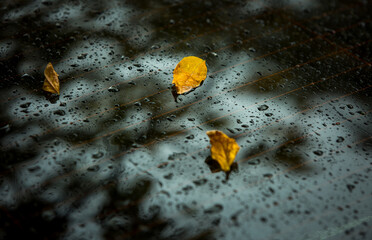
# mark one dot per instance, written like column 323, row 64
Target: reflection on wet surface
column 116, row 157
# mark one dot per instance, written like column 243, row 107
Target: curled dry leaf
column 224, row 149
column 189, row 73
column 51, row 82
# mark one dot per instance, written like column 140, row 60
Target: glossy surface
column 116, row 157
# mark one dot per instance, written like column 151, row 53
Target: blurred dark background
column 114, row 156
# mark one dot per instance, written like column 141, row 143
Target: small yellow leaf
column 189, row 73
column 224, row 149
column 51, row 82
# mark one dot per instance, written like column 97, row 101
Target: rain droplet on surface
column 97, row 155
column 59, row 113
column 350, row 187
column 214, row 209
column 318, row 152
column 251, row 49
column 25, row 105
column 214, row 54
column 190, row 136
column 263, row 107
column 113, row 89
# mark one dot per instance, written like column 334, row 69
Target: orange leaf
column 189, row 73
column 51, row 82
column 224, row 149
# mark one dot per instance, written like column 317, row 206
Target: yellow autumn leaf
column 189, row 73
column 51, row 82
column 224, row 149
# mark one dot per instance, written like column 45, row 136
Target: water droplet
column 25, row 105
column 168, row 176
column 268, row 175
column 254, row 161
column 97, row 155
column 93, row 168
column 350, row 187
column 113, row 89
column 263, row 108
column 214, row 54
column 34, row 169
column 200, row 182
column 156, row 46
column 177, row 156
column 190, row 136
column 27, row 77
column 59, row 112
column 214, row 209
column 318, row 152
column 82, row 56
